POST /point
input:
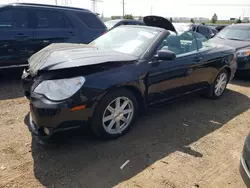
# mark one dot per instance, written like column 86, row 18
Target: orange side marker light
column 78, row 108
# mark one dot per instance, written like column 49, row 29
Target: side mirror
column 165, row 55
column 213, row 35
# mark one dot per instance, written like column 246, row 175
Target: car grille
column 46, row 112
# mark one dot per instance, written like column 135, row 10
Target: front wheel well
column 135, row 91
column 228, row 72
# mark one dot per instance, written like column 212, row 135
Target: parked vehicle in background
column 115, row 23
column 237, row 36
column 245, row 162
column 217, row 27
column 106, row 82
column 27, row 28
column 204, row 30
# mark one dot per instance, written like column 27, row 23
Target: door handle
column 71, row 33
column 21, row 36
column 46, row 41
column 189, row 71
column 198, row 59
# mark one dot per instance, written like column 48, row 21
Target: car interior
column 181, row 44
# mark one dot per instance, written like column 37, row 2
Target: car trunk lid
column 157, row 21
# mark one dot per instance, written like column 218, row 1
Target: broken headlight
column 60, row 89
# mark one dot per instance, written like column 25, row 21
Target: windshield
column 109, row 24
column 234, row 33
column 129, row 40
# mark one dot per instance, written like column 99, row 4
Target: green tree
column 129, row 17
column 192, row 20
column 239, row 20
column 214, row 18
column 114, row 17
column 171, row 19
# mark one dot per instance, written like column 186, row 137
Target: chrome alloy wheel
column 118, row 115
column 220, row 84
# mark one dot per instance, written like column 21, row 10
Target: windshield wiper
column 235, row 39
column 220, row 37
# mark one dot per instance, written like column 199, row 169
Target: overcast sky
column 170, row 8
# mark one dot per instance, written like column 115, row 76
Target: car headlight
column 60, row 89
column 243, row 53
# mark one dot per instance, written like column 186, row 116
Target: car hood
column 233, row 43
column 157, row 21
column 66, row 55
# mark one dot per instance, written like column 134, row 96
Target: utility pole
column 94, row 4
column 123, row 9
column 56, row 2
column 151, row 10
column 66, row 2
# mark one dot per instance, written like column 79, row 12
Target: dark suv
column 27, row 28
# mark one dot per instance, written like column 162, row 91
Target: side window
column 182, row 44
column 91, row 20
column 14, row 19
column 127, row 23
column 51, row 19
column 203, row 30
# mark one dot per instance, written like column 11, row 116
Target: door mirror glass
column 165, row 55
column 213, row 35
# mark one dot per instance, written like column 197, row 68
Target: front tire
column 115, row 114
column 217, row 89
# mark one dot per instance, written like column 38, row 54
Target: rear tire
column 115, row 114
column 217, row 89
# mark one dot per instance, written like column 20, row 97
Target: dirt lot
column 191, row 143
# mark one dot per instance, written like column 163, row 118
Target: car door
column 52, row 27
column 173, row 78
column 16, row 35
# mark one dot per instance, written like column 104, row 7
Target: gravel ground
column 191, row 143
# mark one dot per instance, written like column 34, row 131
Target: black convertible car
column 106, row 82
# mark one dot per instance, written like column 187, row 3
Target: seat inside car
column 174, row 44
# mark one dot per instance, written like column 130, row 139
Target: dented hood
column 65, row 55
column 157, row 21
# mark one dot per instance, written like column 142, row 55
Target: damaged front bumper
column 45, row 122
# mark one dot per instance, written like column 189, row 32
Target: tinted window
column 51, row 19
column 90, row 20
column 130, row 23
column 203, row 30
column 15, row 19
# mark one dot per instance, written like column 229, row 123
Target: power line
column 94, row 4
column 223, row 5
column 66, row 2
